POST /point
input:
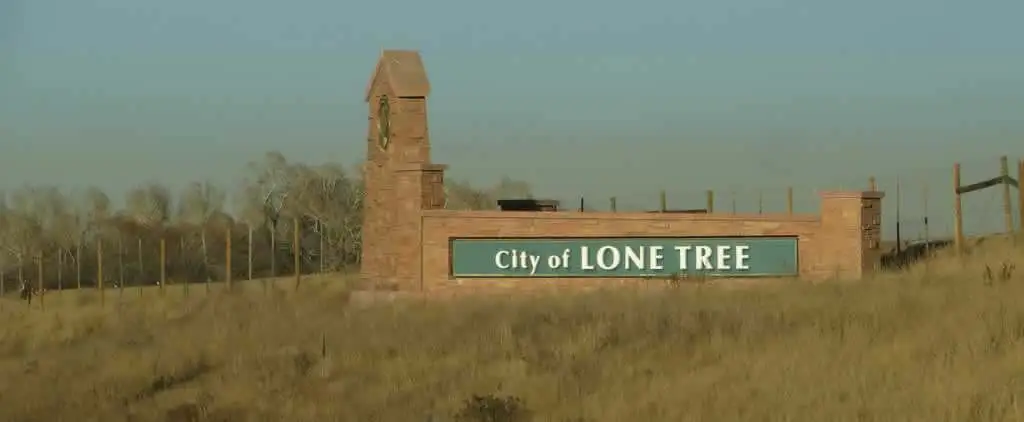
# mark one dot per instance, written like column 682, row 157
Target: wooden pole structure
column 760, row 202
column 39, row 282
column 710, row 201
column 120, row 264
column 185, row 284
column 295, row 252
column 732, row 196
column 248, row 253
column 1004, row 172
column 209, row 274
column 1020, row 196
column 227, row 257
column 871, row 184
column 611, row 203
column 163, row 263
column 789, row 200
column 899, row 237
column 664, row 201
column 99, row 269
column 958, row 214
column 927, row 235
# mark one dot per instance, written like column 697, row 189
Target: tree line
column 59, row 239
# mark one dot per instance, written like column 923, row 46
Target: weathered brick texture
column 406, row 232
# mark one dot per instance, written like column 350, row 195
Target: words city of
column 610, row 258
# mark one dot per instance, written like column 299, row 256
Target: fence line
column 49, row 267
column 1002, row 180
column 50, row 273
column 911, row 210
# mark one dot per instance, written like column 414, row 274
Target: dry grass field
column 941, row 342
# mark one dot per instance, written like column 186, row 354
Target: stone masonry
column 406, row 230
column 400, row 179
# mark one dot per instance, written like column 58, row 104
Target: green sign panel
column 624, row 257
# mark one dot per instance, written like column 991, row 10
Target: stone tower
column 400, row 179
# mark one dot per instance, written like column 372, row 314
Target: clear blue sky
column 598, row 98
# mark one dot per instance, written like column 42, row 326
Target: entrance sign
column 623, row 257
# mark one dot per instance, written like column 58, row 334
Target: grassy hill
column 940, row 342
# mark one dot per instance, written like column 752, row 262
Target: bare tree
column 200, row 204
column 249, row 202
column 309, row 192
column 292, row 216
column 24, row 229
column 67, row 227
column 325, row 196
column 351, row 224
column 312, row 212
column 123, row 224
column 510, row 188
column 463, row 196
column 273, row 180
column 57, row 222
column 149, row 208
column 92, row 213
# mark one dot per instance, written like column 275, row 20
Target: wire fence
column 919, row 201
column 919, row 204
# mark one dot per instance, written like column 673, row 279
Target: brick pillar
column 376, row 219
column 851, row 233
column 397, row 138
column 420, row 186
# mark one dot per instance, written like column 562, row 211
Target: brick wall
column 832, row 245
column 406, row 234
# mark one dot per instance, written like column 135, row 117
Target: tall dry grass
column 938, row 343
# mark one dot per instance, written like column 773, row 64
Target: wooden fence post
column 99, row 269
column 40, row 284
column 295, row 253
column 664, row 201
column 710, row 201
column 789, row 200
column 1004, row 172
column 927, row 235
column 612, row 204
column 760, row 202
column 958, row 217
column 899, row 206
column 227, row 257
column 871, row 184
column 1020, row 196
column 163, row 262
